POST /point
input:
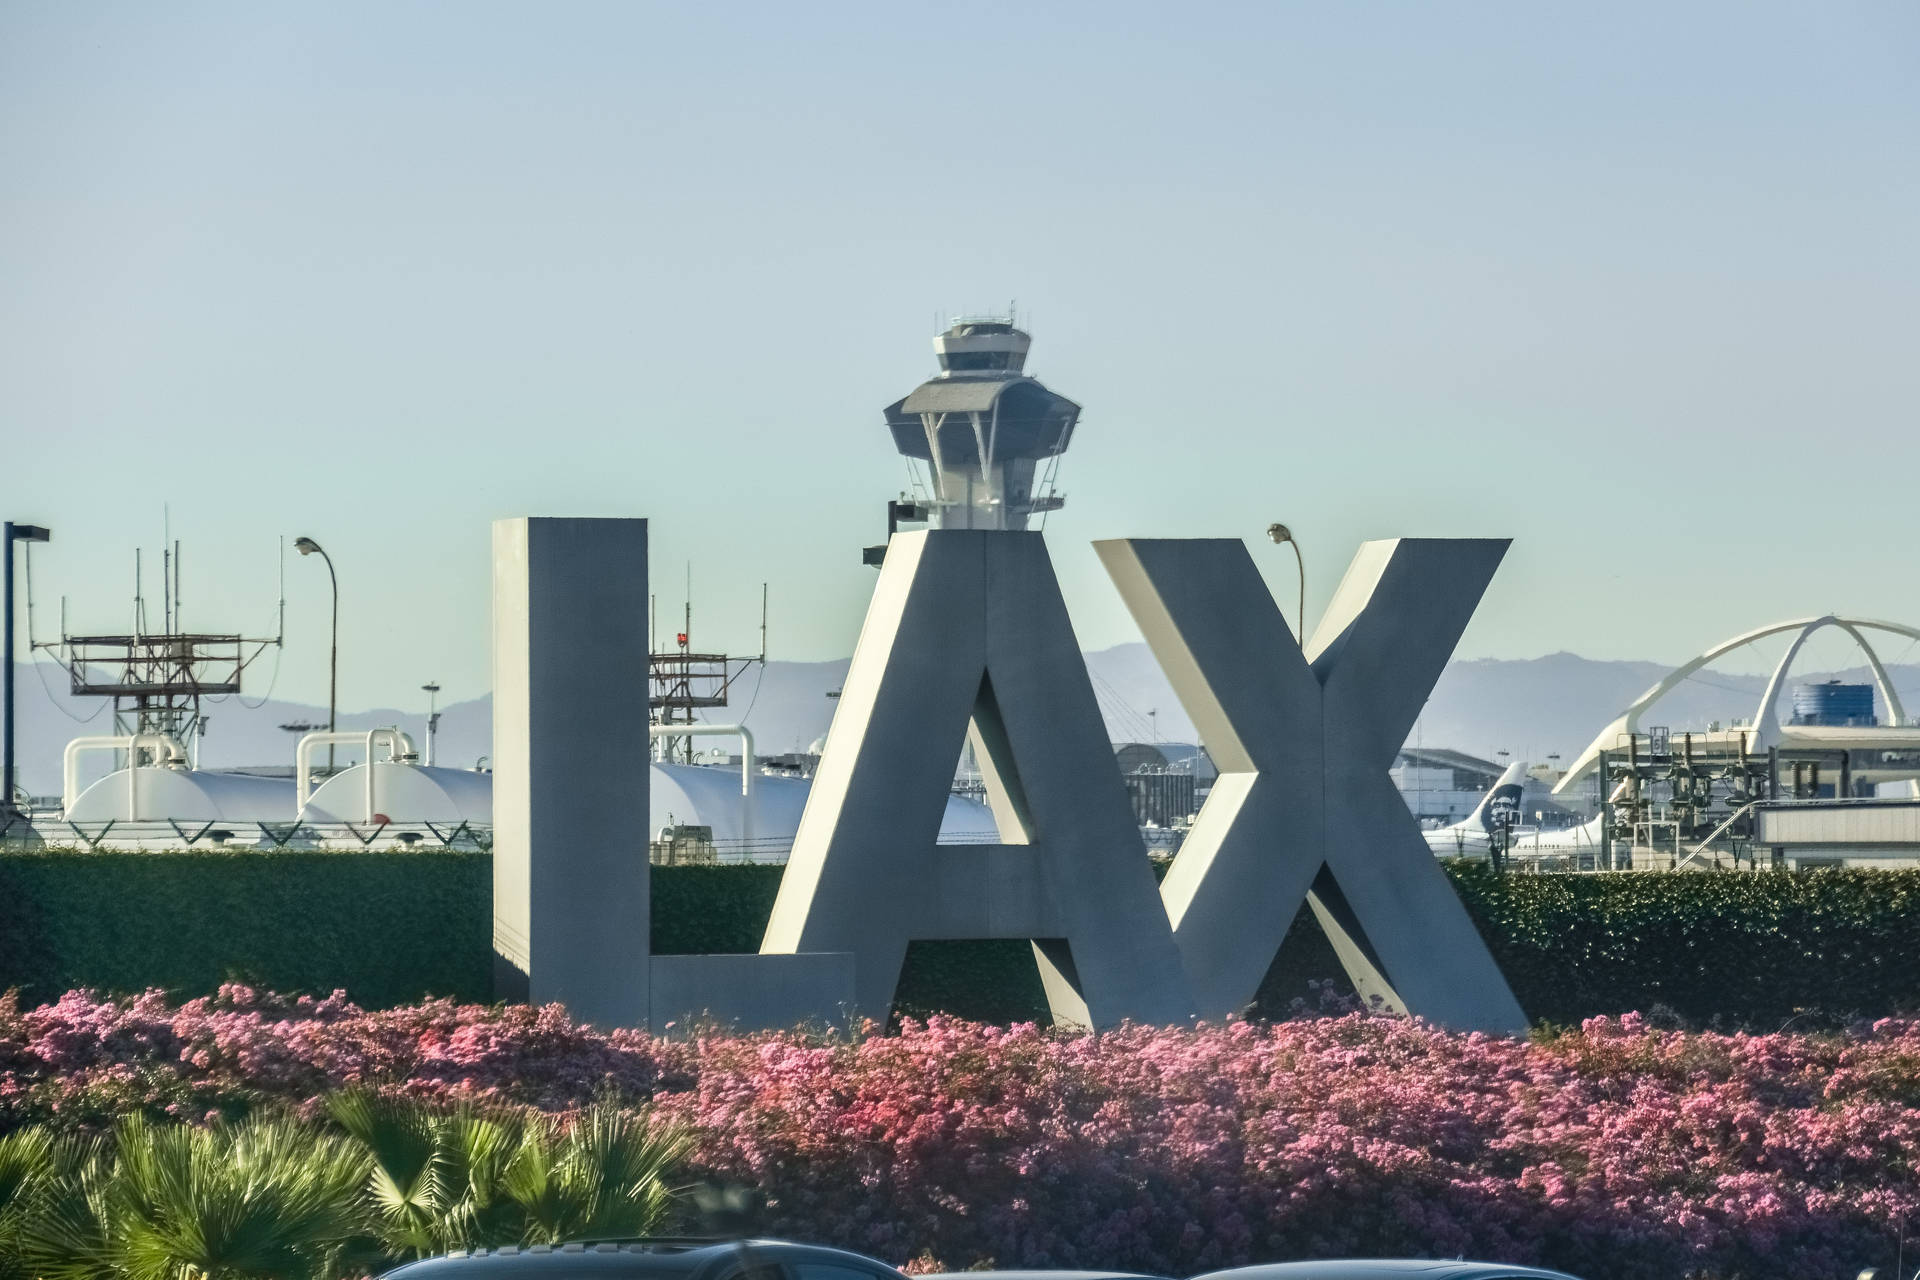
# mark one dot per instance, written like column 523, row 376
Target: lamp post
column 14, row 533
column 432, row 690
column 307, row 547
column 1280, row 533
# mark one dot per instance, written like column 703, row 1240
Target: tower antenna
column 157, row 682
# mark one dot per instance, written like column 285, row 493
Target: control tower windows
column 972, row 361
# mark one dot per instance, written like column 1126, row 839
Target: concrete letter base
column 751, row 992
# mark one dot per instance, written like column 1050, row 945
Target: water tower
column 988, row 436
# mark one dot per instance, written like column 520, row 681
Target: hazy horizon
column 1532, row 708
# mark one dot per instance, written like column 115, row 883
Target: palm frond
column 411, row 1186
column 26, row 1180
column 272, row 1198
column 267, row 1199
column 62, row 1234
column 479, row 1146
column 603, row 1175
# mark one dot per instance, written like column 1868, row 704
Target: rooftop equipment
column 683, row 682
column 157, row 679
column 1833, row 703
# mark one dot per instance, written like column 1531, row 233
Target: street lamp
column 14, row 533
column 432, row 690
column 307, row 547
column 1280, row 533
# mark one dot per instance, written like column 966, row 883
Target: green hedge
column 725, row 909
column 1732, row 948
column 1737, row 948
column 388, row 927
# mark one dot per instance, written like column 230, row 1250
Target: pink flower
column 1618, row 1150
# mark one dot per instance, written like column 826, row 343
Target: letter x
column 1304, row 808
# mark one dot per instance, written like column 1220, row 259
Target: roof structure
column 1442, row 758
column 1899, row 733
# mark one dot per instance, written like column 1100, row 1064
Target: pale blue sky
column 1634, row 284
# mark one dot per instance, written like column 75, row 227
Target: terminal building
column 1442, row 787
column 1831, row 783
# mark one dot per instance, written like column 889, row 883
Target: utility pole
column 14, row 533
column 432, row 690
column 307, row 547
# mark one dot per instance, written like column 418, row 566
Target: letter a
column 967, row 636
column 1304, row 807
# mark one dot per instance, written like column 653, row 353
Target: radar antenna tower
column 685, row 681
column 158, row 680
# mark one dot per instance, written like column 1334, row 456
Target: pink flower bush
column 1614, row 1151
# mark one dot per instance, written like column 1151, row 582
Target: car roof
column 1039, row 1275
column 622, row 1258
column 1386, row 1269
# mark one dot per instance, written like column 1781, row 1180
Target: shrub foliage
column 1616, row 1151
column 283, row 1196
column 1728, row 948
column 388, row 927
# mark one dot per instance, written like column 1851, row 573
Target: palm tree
column 278, row 1199
column 26, row 1178
column 51, row 1206
column 602, row 1176
column 268, row 1199
column 410, row 1179
column 467, row 1177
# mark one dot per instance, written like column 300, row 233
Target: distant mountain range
column 1531, row 707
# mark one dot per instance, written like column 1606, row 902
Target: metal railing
column 118, row 833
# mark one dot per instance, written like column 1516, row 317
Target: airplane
column 1497, row 812
column 1562, row 840
column 1566, row 839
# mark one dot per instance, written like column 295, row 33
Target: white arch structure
column 1767, row 730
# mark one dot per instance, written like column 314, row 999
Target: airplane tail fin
column 1500, row 807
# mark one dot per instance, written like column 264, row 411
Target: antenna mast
column 156, row 681
column 685, row 682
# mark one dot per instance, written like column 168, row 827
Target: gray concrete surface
column 751, row 992
column 570, row 874
column 570, row 765
column 1304, row 809
column 967, row 635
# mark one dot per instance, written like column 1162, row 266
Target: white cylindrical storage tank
column 401, row 793
column 183, row 795
column 691, row 795
column 688, row 795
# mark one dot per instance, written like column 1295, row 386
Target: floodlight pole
column 432, row 690
column 1280, row 533
column 14, row 533
column 307, row 547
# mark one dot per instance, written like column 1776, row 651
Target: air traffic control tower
column 990, row 436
